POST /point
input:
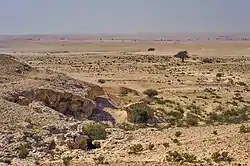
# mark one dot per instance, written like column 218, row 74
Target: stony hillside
column 162, row 112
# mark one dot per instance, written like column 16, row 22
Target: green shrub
column 150, row 93
column 95, row 131
column 244, row 129
column 218, row 157
column 174, row 156
column 139, row 115
column 23, row 152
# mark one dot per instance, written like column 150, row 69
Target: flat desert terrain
column 116, row 103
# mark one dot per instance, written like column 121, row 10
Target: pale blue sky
column 123, row 16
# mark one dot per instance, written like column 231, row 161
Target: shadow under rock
column 99, row 115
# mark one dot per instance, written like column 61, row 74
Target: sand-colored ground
column 215, row 79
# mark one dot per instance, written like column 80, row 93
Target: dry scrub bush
column 174, row 156
column 244, row 129
column 150, row 93
column 135, row 149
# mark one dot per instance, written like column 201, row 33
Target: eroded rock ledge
column 61, row 101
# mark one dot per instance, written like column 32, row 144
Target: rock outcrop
column 103, row 101
column 10, row 65
column 63, row 102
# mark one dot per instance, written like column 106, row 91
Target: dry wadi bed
column 77, row 104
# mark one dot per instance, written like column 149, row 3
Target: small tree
column 182, row 55
column 151, row 49
column 150, row 93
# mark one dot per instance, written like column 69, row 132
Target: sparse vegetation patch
column 139, row 115
column 174, row 156
column 232, row 116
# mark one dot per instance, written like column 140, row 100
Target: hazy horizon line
column 129, row 34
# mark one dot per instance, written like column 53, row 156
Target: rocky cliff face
column 63, row 102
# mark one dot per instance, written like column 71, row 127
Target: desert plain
column 116, row 103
